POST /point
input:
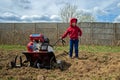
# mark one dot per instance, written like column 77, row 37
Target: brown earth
column 90, row 66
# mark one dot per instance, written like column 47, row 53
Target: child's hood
column 72, row 21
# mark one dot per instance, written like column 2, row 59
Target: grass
column 86, row 48
column 94, row 49
column 12, row 47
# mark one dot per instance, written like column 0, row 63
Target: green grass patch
column 86, row 48
column 94, row 49
column 105, row 49
column 12, row 47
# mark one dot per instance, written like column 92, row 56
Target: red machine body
column 39, row 37
column 33, row 37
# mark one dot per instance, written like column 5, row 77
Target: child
column 74, row 32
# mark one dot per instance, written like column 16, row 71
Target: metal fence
column 93, row 33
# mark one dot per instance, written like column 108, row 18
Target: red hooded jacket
column 73, row 31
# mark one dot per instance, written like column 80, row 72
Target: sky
column 48, row 10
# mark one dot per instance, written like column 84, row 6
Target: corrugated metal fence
column 93, row 33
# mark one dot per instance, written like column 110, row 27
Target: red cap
column 73, row 20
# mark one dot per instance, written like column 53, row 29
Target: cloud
column 85, row 12
column 99, row 11
column 12, row 17
column 35, row 18
column 55, row 18
column 60, row 2
column 9, row 17
column 118, row 5
column 22, row 4
column 42, row 18
column 36, row 10
column 93, row 12
column 117, row 19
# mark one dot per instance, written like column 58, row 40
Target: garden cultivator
column 40, row 54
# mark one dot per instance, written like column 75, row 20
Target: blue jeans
column 74, row 43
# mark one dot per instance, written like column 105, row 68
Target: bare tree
column 69, row 11
column 86, row 18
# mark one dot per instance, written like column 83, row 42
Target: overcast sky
column 48, row 10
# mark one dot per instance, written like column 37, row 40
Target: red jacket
column 73, row 31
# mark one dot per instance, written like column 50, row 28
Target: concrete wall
column 93, row 33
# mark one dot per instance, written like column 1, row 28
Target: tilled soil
column 90, row 66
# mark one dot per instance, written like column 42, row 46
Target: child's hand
column 60, row 38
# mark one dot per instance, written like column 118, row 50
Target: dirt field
column 90, row 66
